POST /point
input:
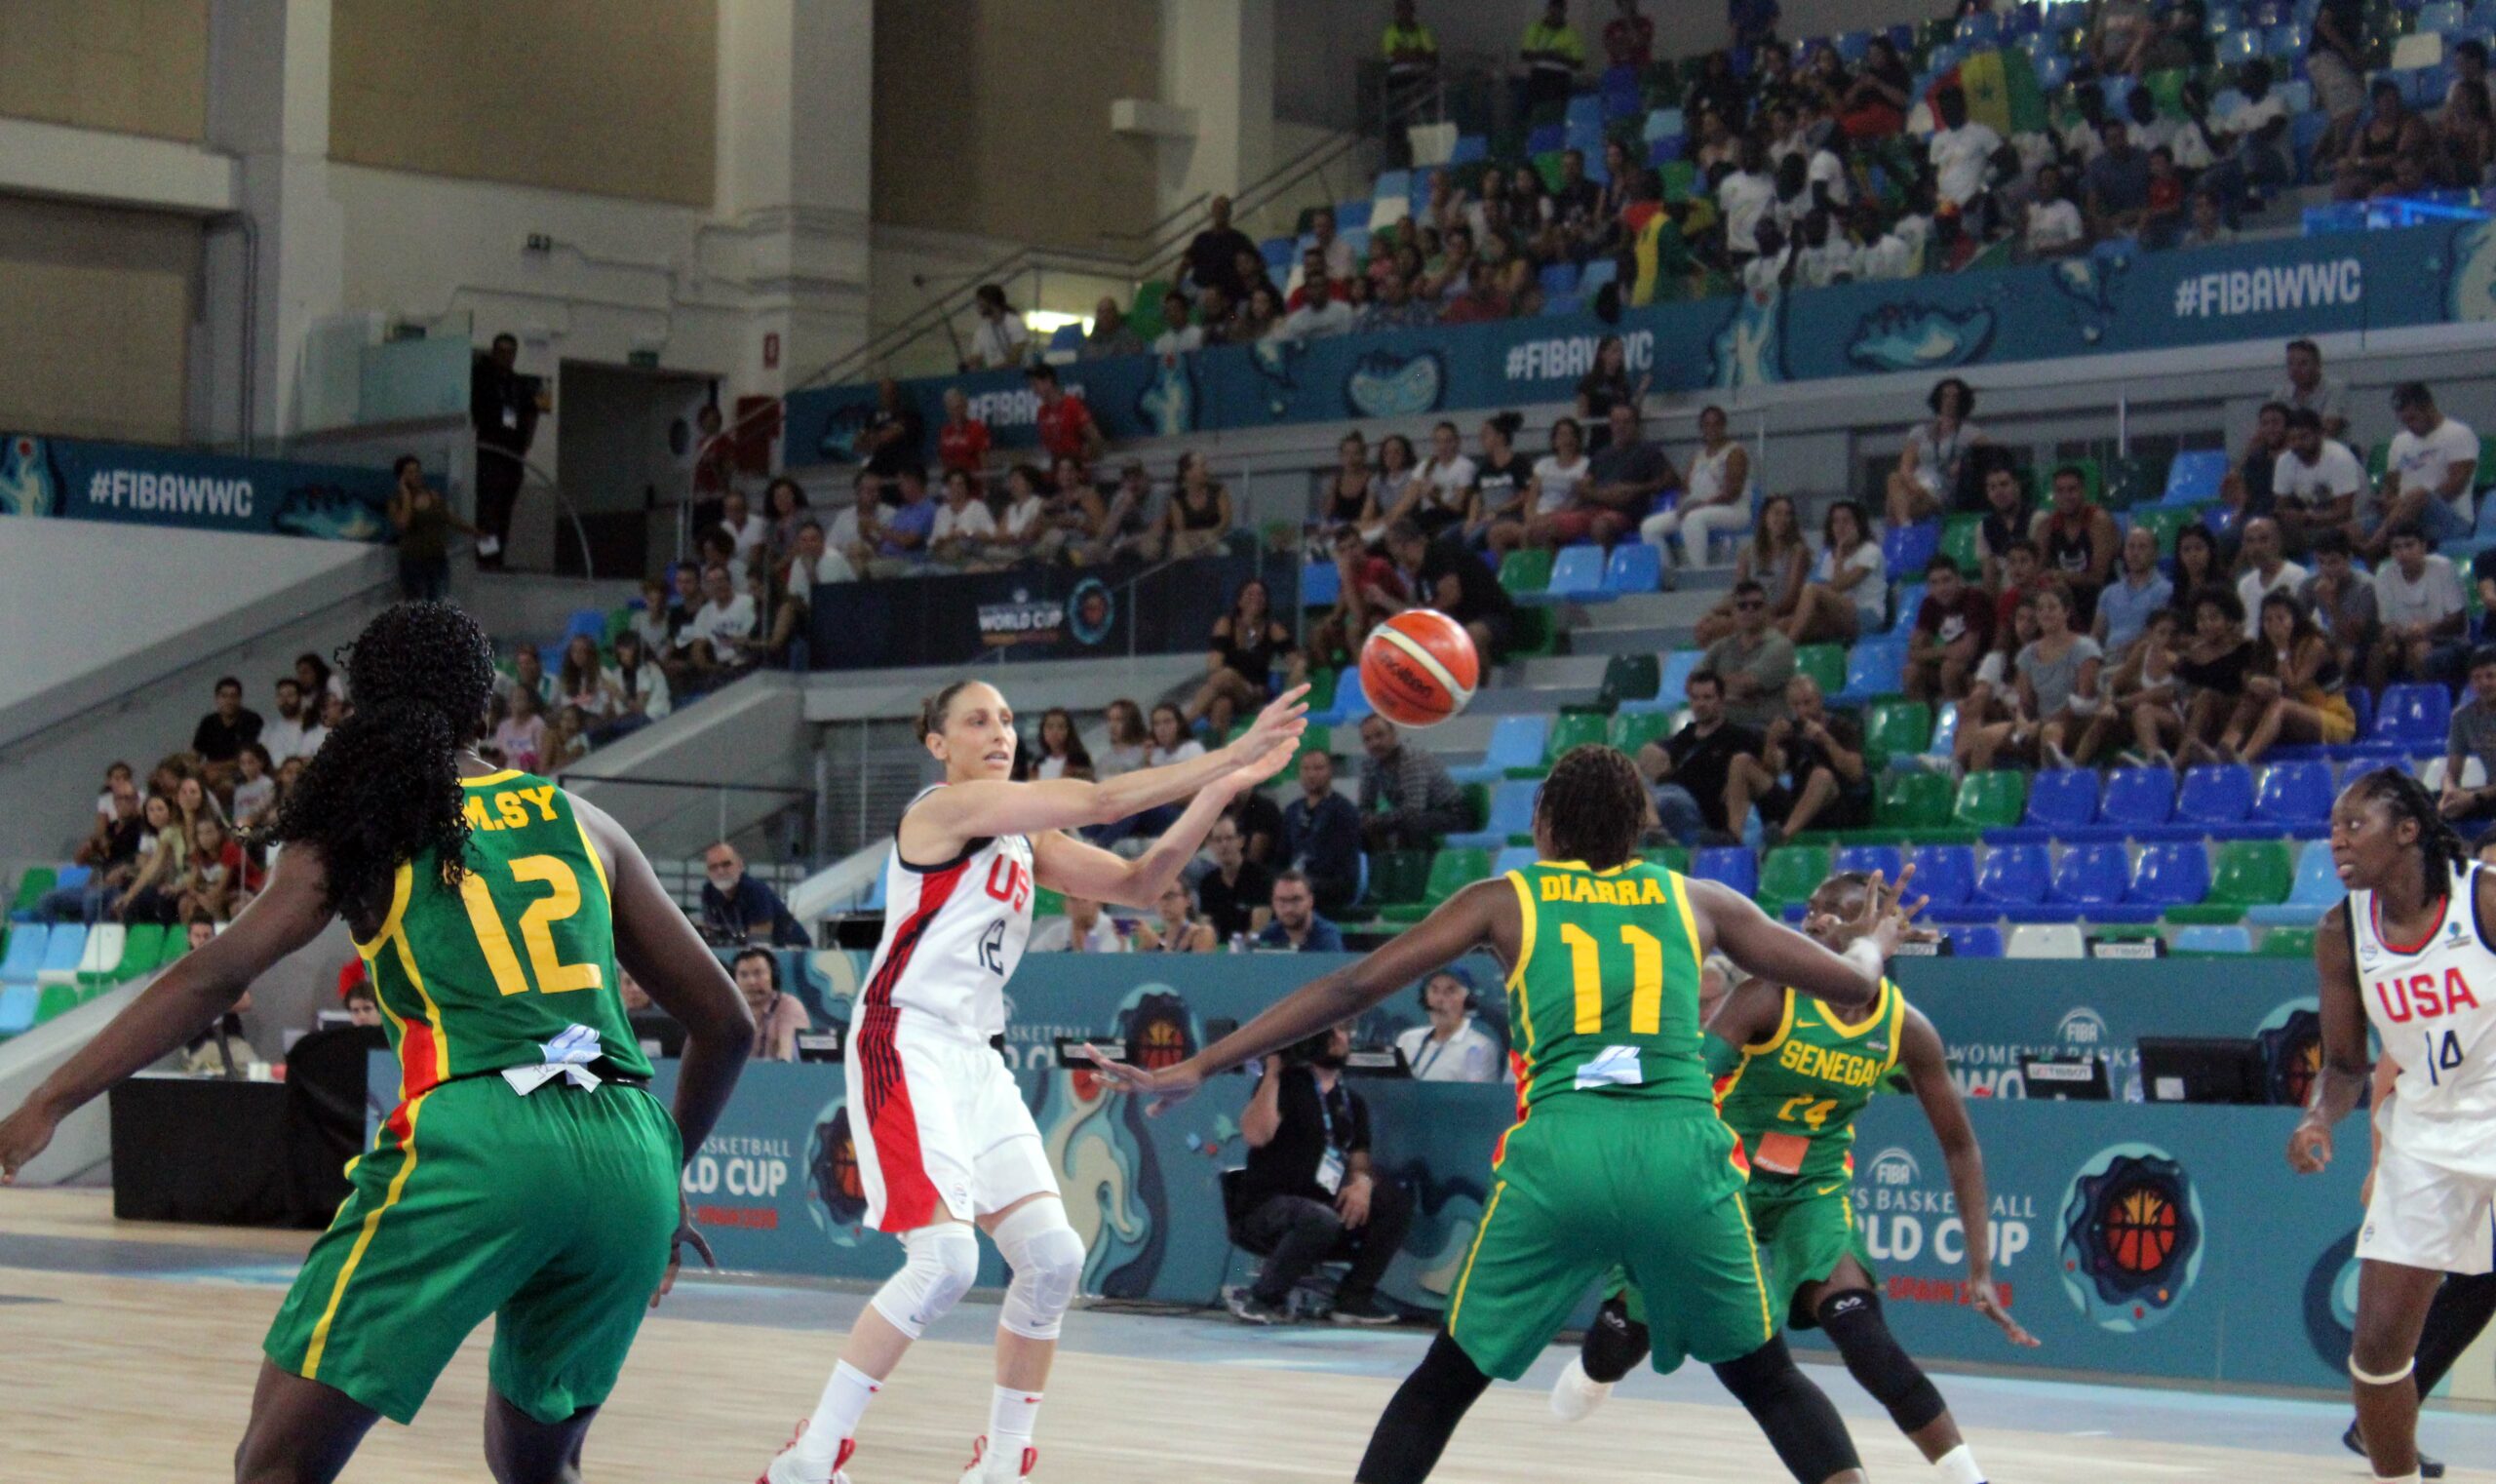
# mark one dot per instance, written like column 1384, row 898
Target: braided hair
column 1595, row 805
column 385, row 788
column 2403, row 797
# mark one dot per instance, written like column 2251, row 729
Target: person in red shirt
column 963, row 441
column 1370, row 590
column 1953, row 629
column 1066, row 428
column 1314, row 275
column 1630, row 38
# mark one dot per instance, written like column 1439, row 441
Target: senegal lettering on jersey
column 1605, row 992
column 1794, row 1097
column 521, row 954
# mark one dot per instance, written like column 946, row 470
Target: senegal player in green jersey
column 525, row 1173
column 1795, row 1074
column 1618, row 1156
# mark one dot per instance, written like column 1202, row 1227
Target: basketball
column 1419, row 668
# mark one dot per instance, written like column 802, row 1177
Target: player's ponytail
column 384, row 787
column 2403, row 797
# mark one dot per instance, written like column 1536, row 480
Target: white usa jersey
column 954, row 932
column 2433, row 1006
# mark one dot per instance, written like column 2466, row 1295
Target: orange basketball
column 1419, row 668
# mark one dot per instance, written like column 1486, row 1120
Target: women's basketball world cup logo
column 2132, row 1237
column 836, row 1196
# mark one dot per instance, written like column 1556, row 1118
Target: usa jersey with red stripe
column 2433, row 1004
column 954, row 932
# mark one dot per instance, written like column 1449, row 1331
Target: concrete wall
column 129, row 67
column 568, row 94
column 95, row 307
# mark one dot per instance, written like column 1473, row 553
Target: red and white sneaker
column 787, row 1467
column 998, row 1468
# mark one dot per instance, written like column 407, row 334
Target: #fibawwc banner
column 84, row 481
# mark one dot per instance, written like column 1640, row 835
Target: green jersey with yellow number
column 1794, row 1096
column 515, row 965
column 1605, row 993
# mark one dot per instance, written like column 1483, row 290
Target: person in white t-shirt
column 1449, row 1047
column 1824, row 257
column 2266, row 570
column 1084, row 929
column 1768, row 272
column 1317, row 318
column 2316, row 480
column 283, row 733
column 707, row 649
column 2418, row 598
column 1962, row 153
column 1882, row 253
column 1180, row 336
column 1743, row 198
column 962, row 521
column 1001, row 341
column 2426, row 477
column 746, row 530
column 1849, row 590
column 2054, row 227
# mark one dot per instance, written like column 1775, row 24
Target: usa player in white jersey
column 2410, row 952
column 943, row 1139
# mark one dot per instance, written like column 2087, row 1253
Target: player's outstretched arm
column 1927, row 1065
column 181, row 1003
column 1779, row 955
column 1462, row 923
column 1068, row 864
column 657, row 945
column 970, row 810
column 2342, row 1079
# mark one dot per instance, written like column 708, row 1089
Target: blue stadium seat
column 63, row 948
column 18, row 1002
column 1852, row 46
column 1390, row 184
column 1561, row 305
column 1280, row 253
column 1980, row 30
column 1910, row 598
column 1351, row 703
column 1976, row 940
column 1559, row 278
column 1885, row 859
column 1585, row 108
column 1511, row 858
column 2194, row 477
column 2316, row 890
column 2090, row 876
column 2296, row 796
column 1576, row 576
column 1732, row 865
column 2013, row 876
column 873, row 901
column 1321, row 583
column 2137, row 797
column 586, row 623
column 2215, row 795
column 2417, row 717
column 24, row 956
column 1945, row 876
column 1511, row 813
column 1671, row 689
column 2443, row 17
column 1517, row 742
column 1352, row 215
column 1907, row 548
column 1544, row 139
column 2062, row 800
column 72, row 876
column 1596, row 274
column 2053, row 71
column 2213, row 938
column 2172, row 874
column 1874, row 668
column 1634, row 569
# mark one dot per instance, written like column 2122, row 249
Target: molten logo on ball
column 1419, row 668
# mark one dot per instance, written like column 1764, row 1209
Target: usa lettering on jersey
column 2422, row 996
column 953, row 934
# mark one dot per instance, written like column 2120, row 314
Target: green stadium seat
column 1322, row 683
column 2285, row 943
column 1791, row 874
column 1632, row 729
column 1526, row 571
column 2164, row 521
column 1398, row 876
column 1629, row 678
column 1316, row 739
column 1145, row 315
column 1450, row 872
column 1477, row 804
column 1991, row 801
column 1531, row 633
column 1914, row 802
column 2137, row 481
column 1824, row 663
column 1572, row 729
column 1898, row 728
column 31, row 887
column 618, row 621
column 1667, row 857
column 140, row 952
column 1959, row 542
column 2249, row 872
column 58, row 998
column 1045, row 904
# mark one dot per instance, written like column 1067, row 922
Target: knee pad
column 1047, row 1259
column 940, row 1264
column 1877, row 1361
column 1797, row 1417
column 1614, row 1342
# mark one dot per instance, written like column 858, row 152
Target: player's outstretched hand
column 1986, row 1299
column 1282, row 723
column 1887, row 913
column 1167, row 1088
column 24, row 1134
column 1254, row 772
column 2309, row 1148
column 686, row 1235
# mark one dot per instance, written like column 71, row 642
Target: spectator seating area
column 46, row 969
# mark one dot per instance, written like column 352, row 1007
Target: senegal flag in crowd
column 2001, row 88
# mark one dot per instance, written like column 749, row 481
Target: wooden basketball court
column 128, row 1353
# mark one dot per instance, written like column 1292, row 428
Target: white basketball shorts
column 939, row 1124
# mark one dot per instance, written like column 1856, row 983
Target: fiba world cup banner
column 136, row 483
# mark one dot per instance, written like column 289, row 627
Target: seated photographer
column 1307, row 1194
column 1450, row 1048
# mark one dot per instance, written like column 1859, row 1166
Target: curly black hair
column 2403, row 797
column 1595, row 805
column 385, row 786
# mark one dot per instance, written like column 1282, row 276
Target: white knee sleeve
column 1047, row 1259
column 943, row 1264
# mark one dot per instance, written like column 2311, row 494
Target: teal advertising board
column 144, row 484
